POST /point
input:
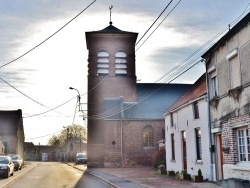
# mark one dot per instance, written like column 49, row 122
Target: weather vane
column 110, row 14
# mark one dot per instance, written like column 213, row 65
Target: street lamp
column 79, row 102
column 78, row 97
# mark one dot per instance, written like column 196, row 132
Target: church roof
column 152, row 101
column 111, row 29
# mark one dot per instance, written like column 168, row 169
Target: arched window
column 148, row 136
column 102, row 63
column 120, row 64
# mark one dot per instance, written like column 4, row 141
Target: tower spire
column 110, row 22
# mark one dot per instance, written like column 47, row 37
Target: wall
column 184, row 121
column 232, row 110
column 131, row 152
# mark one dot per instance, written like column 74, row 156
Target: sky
column 43, row 50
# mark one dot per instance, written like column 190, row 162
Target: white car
column 18, row 162
column 6, row 166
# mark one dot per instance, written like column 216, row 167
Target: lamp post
column 79, row 103
column 78, row 97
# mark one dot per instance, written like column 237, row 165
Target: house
column 11, row 131
column 187, row 132
column 74, row 146
column 1, row 148
column 125, row 118
column 227, row 68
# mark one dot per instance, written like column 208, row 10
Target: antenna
column 110, row 14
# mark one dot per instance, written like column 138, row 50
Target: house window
column 172, row 146
column 171, row 119
column 243, row 145
column 196, row 110
column 148, row 137
column 102, row 64
column 214, row 86
column 120, row 64
column 198, row 144
column 234, row 65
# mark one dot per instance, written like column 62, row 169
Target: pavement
column 136, row 177
column 140, row 177
column 17, row 174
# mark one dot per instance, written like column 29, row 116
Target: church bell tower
column 111, row 74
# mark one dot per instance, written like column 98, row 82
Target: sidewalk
column 140, row 177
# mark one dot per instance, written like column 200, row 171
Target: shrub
column 199, row 172
column 184, row 172
column 162, row 167
column 159, row 158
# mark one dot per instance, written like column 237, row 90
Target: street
column 54, row 174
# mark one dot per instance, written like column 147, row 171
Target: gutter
column 209, row 124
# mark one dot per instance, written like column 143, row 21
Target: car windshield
column 80, row 155
column 15, row 157
column 4, row 160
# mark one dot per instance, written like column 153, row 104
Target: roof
column 198, row 89
column 10, row 120
column 240, row 25
column 110, row 29
column 107, row 31
column 152, row 101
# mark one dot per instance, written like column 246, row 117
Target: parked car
column 81, row 158
column 18, row 162
column 6, row 166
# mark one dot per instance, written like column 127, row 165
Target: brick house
column 187, row 132
column 227, row 67
column 11, row 131
column 125, row 118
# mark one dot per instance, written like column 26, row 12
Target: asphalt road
column 57, row 175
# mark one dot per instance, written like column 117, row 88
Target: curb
column 87, row 171
column 19, row 176
column 106, row 181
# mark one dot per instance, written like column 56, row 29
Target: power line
column 158, row 25
column 154, row 22
column 48, row 37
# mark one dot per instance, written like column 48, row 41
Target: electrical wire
column 48, row 37
column 158, row 25
column 154, row 22
column 28, row 96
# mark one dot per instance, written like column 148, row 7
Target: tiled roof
column 9, row 121
column 198, row 89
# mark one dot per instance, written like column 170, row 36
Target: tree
column 54, row 141
column 71, row 131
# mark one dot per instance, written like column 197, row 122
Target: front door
column 219, row 157
column 184, row 150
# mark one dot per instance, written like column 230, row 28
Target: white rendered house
column 187, row 132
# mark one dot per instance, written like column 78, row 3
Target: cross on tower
column 110, row 14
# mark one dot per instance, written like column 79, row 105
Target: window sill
column 242, row 167
column 149, row 147
column 198, row 162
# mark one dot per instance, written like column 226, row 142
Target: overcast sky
column 40, row 80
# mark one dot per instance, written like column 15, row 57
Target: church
column 125, row 118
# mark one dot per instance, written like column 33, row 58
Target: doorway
column 219, row 157
column 184, row 150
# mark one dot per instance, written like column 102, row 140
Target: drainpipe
column 121, row 122
column 121, row 143
column 209, row 125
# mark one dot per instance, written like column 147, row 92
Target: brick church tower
column 111, row 74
